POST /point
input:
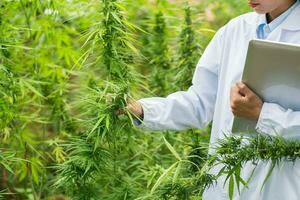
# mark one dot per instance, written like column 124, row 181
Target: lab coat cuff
column 148, row 110
column 265, row 123
column 137, row 122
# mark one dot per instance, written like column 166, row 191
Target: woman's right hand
column 134, row 107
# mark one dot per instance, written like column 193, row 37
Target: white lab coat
column 219, row 68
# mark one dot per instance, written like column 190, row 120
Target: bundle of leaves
column 160, row 58
column 103, row 132
column 78, row 173
column 233, row 152
column 8, row 88
column 188, row 54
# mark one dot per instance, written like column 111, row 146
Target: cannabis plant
column 103, row 133
column 160, row 60
column 188, row 54
column 232, row 152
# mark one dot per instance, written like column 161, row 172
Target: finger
column 236, row 98
column 237, row 102
column 130, row 99
column 235, row 92
column 119, row 112
column 244, row 89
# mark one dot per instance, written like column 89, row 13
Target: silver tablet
column 272, row 71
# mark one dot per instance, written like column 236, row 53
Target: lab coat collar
column 292, row 22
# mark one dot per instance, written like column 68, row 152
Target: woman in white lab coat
column 217, row 94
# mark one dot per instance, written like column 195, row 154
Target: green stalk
column 188, row 54
column 160, row 61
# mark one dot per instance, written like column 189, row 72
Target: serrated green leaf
column 176, row 155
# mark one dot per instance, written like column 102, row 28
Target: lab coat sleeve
column 192, row 108
column 275, row 120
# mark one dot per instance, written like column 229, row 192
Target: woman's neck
column 278, row 11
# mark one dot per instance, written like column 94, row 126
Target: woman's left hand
column 244, row 102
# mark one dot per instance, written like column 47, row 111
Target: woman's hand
column 134, row 107
column 244, row 102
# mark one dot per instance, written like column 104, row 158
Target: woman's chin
column 258, row 11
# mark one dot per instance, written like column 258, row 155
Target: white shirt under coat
column 219, row 68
